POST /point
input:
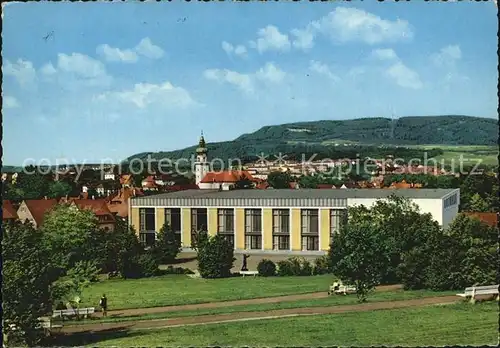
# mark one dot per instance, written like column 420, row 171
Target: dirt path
column 241, row 316
column 223, row 304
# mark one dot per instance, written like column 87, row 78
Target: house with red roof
column 99, row 207
column 9, row 213
column 34, row 210
column 490, row 219
column 225, row 180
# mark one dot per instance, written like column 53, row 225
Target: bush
column 266, row 268
column 321, row 265
column 167, row 247
column 215, row 258
column 176, row 270
column 294, row 266
column 141, row 266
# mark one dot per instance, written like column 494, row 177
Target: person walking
column 103, row 303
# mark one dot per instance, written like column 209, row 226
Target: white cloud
column 447, row 55
column 246, row 82
column 242, row 81
column 271, row 73
column 48, row 69
column 147, row 49
column 385, row 54
column 404, row 76
column 113, row 54
column 23, row 71
column 10, row 102
column 354, row 25
column 322, row 69
column 80, row 64
column 397, row 70
column 239, row 50
column 146, row 94
column 304, row 38
column 270, row 39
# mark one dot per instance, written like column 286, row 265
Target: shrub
column 284, row 268
column 177, row 270
column 215, row 258
column 321, row 265
column 140, row 266
column 266, row 268
column 167, row 247
column 294, row 266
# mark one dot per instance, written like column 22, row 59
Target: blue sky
column 87, row 81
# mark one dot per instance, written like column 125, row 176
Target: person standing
column 104, row 305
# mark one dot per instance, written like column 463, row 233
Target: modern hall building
column 302, row 221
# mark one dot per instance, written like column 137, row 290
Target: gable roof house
column 226, row 179
column 34, row 210
column 8, row 211
column 100, row 209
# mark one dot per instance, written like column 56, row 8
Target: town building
column 300, row 221
column 8, row 211
column 34, row 210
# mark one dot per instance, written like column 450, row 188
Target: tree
column 59, row 189
column 198, row 239
column 243, row 183
column 359, row 257
column 26, row 281
column 167, row 246
column 478, row 204
column 215, row 257
column 32, row 184
column 68, row 233
column 279, row 180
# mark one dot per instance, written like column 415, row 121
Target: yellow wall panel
column 295, row 229
column 160, row 218
column 186, row 227
column 212, row 221
column 324, row 233
column 134, row 219
column 267, row 228
column 239, row 228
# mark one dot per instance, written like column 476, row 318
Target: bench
column 337, row 288
column 473, row 291
column 73, row 312
column 245, row 273
column 47, row 325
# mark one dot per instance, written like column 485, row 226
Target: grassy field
column 457, row 324
column 397, row 295
column 471, row 154
column 180, row 289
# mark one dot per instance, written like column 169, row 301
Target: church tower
column 201, row 165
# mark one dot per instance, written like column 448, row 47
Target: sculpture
column 244, row 266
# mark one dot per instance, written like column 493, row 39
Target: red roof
column 325, row 186
column 39, row 207
column 181, row 187
column 263, row 185
column 98, row 206
column 8, row 210
column 488, row 218
column 231, row 176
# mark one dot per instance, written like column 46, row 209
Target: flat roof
column 300, row 194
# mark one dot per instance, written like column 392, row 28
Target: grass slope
column 457, row 324
column 180, row 289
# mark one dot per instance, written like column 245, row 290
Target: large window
column 199, row 221
column 173, row 219
column 281, row 229
column 310, row 229
column 225, row 224
column 450, row 201
column 253, row 229
column 338, row 218
column 147, row 225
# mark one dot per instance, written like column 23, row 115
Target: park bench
column 473, row 291
column 252, row 273
column 73, row 312
column 339, row 288
column 48, row 326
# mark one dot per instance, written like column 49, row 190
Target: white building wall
column 427, row 205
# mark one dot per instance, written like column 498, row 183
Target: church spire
column 202, row 147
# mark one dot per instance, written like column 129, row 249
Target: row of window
column 452, row 200
column 253, row 225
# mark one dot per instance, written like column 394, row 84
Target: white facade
column 443, row 213
column 201, row 167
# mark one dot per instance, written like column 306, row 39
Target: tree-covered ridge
column 365, row 136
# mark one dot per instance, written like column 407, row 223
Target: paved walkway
column 223, row 304
column 244, row 316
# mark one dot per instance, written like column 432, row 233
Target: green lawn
column 180, row 289
column 397, row 295
column 457, row 324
